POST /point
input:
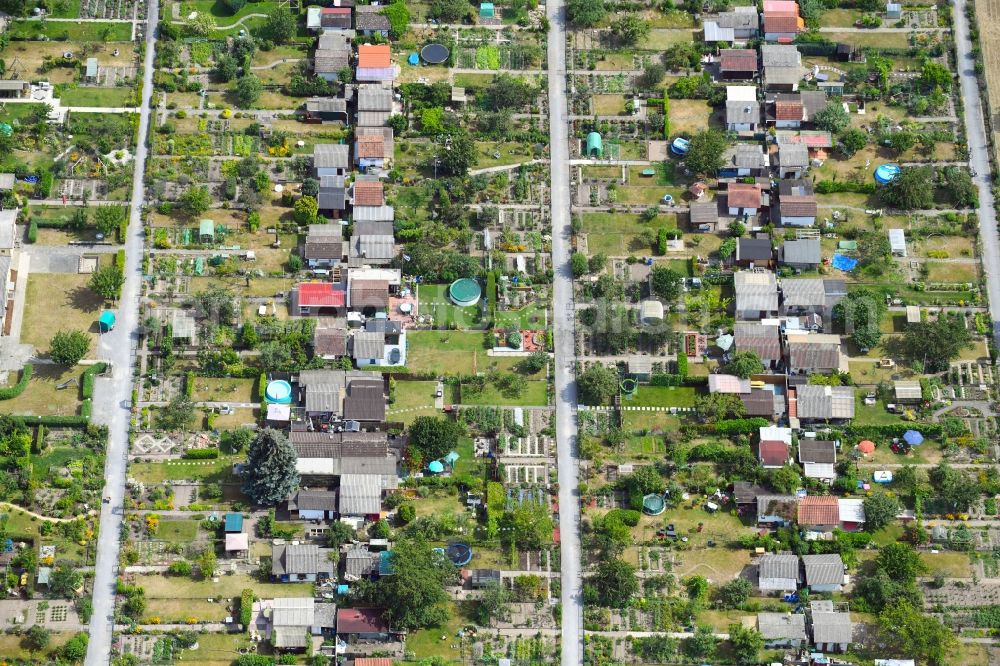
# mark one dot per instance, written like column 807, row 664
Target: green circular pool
column 465, row 292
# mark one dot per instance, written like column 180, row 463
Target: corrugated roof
column 763, row 339
column 778, row 567
column 825, row 402
column 812, row 353
column 370, row 17
column 824, row 569
column 293, row 612
column 306, row 499
column 365, row 400
column 360, row 494
column 802, row 251
column 756, row 291
column 369, row 293
column 369, row 193
column 793, row 155
column 780, row 55
column 832, row 627
column 802, row 292
column 374, row 98
column 738, row 60
column 303, row 558
column 817, row 451
column 907, row 390
column 331, row 155
column 704, row 212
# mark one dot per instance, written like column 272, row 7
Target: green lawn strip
column 661, row 396
column 97, row 97
column 175, row 470
column 530, row 317
column 435, row 302
column 158, row 586
column 535, row 394
column 43, row 465
column 178, row 531
column 74, row 32
column 440, row 641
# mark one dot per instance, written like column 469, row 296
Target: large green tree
column 832, row 118
column 935, row 343
column 629, row 29
column 109, row 217
column 912, row 189
column 414, row 596
column 860, row 316
column 247, row 90
column 910, row 632
column 596, row 385
column 269, row 475
column 880, row 510
column 744, row 363
column 704, row 156
column 280, row 25
column 585, row 13
column 433, row 437
column 613, row 584
column 746, row 643
column 107, row 282
column 665, row 283
column 69, row 347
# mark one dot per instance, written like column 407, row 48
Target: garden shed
column 595, row 146
column 206, row 231
column 487, row 10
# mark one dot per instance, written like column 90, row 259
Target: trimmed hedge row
column 740, row 426
column 666, row 379
column 246, row 607
column 888, row 431
column 189, row 383
column 87, row 387
column 201, row 454
column 837, row 186
column 85, row 410
column 58, row 421
column 17, row 389
column 33, row 232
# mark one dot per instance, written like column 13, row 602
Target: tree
column 414, row 596
column 235, row 441
column 629, row 29
column 200, row 25
column 310, row 187
column 109, row 217
column 206, row 561
column 880, row 510
column 901, row 141
column 960, row 187
column 912, row 189
column 450, row 11
column 744, row 363
column 613, row 584
column 234, row 5
column 75, row 648
column 910, row 632
column 37, row 638
column 68, row 347
column 107, row 282
column 832, row 118
column 459, row 154
column 534, row 363
column 785, row 479
column 179, row 568
column 652, row 75
column 860, row 316
column 280, row 25
column 934, row 75
column 665, row 283
column 955, row 487
column 339, row 534
column 874, row 251
column 713, row 407
column 270, row 476
column 935, row 343
column 247, row 90
column 64, row 581
column 226, row 68
column 900, row 562
column 852, row 140
column 704, row 156
column 597, row 385
column 178, row 414
column 697, row 588
column 746, row 643
column 578, row 264
column 734, row 593
column 585, row 13
column 195, row 200
column 306, row 210
column 406, row 513
column 508, row 92
column 702, row 644
column 494, row 604
column 434, row 437
column 399, row 18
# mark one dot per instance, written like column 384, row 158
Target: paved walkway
column 113, row 395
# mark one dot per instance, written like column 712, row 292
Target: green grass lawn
column 174, row 587
column 661, row 396
column 872, row 414
column 209, row 389
column 42, row 397
column 65, row 9
column 43, row 465
column 16, row 647
column 434, row 301
column 178, row 531
column 618, row 234
column 176, row 470
column 948, row 564
column 220, row 10
column 413, row 399
column 74, row 32
column 535, row 394
column 98, row 97
column 655, row 421
column 448, row 352
column 439, row 641
column 531, row 316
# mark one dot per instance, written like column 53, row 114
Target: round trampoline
column 279, row 392
column 629, row 386
column 434, row 54
column 653, row 505
column 886, row 173
column 460, row 554
column 465, row 292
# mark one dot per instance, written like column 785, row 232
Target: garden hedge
column 740, row 426
column 33, row 232
column 201, row 454
column 246, row 607
column 262, row 386
column 57, row 421
column 189, row 384
column 85, row 410
column 888, row 431
column 87, row 386
column 836, row 186
column 122, row 230
column 17, row 389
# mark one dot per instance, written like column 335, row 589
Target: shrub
column 85, row 409
column 201, row 454
column 740, row 426
column 122, row 230
column 661, row 241
column 189, row 384
column 17, row 389
column 262, row 385
column 58, row 421
column 33, row 232
column 87, row 387
column 836, row 186
column 246, row 607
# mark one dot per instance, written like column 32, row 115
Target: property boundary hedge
column 87, row 385
column 17, row 389
column 201, row 454
column 52, row 421
column 33, row 232
column 928, row 430
column 740, row 426
column 85, row 410
column 246, row 608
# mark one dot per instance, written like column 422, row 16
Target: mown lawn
column 97, row 97
column 661, row 396
column 42, row 397
column 58, row 301
column 74, row 32
column 176, row 587
column 535, row 394
column 176, row 470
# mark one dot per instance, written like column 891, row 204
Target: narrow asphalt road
column 565, row 343
column 112, row 395
column 979, row 160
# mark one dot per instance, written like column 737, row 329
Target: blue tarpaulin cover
column 842, row 263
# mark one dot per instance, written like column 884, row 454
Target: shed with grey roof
column 360, row 495
column 801, row 253
column 825, row 403
column 301, row 562
column 782, row 630
column 756, row 294
column 824, row 573
column 778, row 572
column 832, row 631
